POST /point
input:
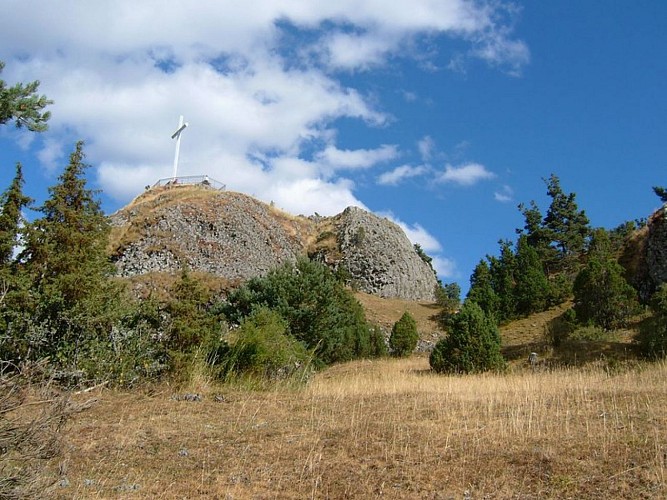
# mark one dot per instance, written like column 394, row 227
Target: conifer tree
column 192, row 324
column 404, row 336
column 13, row 286
column 652, row 336
column 472, row 344
column 22, row 104
column 601, row 295
column 13, row 201
column 503, row 270
column 65, row 256
column 481, row 290
column 537, row 235
column 532, row 291
column 661, row 193
column 567, row 226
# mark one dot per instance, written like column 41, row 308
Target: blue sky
column 441, row 115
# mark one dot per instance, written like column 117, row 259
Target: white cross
column 177, row 135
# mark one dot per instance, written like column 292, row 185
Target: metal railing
column 200, row 180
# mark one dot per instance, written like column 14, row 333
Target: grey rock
column 381, row 259
column 656, row 248
column 236, row 237
column 645, row 255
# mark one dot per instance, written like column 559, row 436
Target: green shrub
column 404, row 336
column 590, row 333
column 652, row 336
column 316, row 307
column 602, row 297
column 127, row 357
column 472, row 345
column 559, row 328
column 192, row 321
column 378, row 345
column 261, row 347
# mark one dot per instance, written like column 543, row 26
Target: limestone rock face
column 656, row 247
column 645, row 255
column 380, row 259
column 223, row 233
column 236, row 237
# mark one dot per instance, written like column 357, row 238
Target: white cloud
column 308, row 196
column 504, row 195
column 465, row 175
column 446, row 268
column 259, row 100
column 395, row 176
column 426, row 147
column 357, row 158
column 417, row 234
column 500, row 51
column 356, row 51
column 52, row 151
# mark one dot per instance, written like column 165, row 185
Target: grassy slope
column 385, row 428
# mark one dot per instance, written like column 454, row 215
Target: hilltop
column 235, row 237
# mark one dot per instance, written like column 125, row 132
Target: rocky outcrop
column 645, row 255
column 380, row 259
column 236, row 237
column 656, row 247
column 227, row 234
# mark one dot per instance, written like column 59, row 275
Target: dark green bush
column 602, row 297
column 317, row 308
column 378, row 346
column 472, row 345
column 652, row 336
column 404, row 336
column 192, row 320
column 261, row 347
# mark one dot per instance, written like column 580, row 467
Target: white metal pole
column 177, row 136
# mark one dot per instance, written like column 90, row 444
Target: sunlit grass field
column 386, row 428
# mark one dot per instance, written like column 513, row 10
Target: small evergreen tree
column 68, row 267
column 602, row 296
column 192, row 323
column 532, row 292
column 537, row 235
column 378, row 345
column 404, row 336
column 13, row 201
column 567, row 226
column 425, row 257
column 448, row 297
column 262, row 347
column 481, row 290
column 13, row 285
column 503, row 270
column 472, row 344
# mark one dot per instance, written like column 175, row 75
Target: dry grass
column 382, row 429
column 143, row 210
column 32, row 413
column 386, row 312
